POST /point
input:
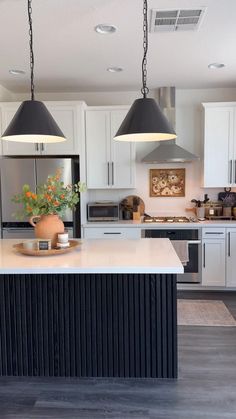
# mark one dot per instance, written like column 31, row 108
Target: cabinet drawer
column 112, row 233
column 213, row 233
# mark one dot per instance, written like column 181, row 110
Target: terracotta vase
column 47, row 227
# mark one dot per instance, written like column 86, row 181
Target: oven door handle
column 194, row 241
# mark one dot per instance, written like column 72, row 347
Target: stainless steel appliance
column 15, row 172
column 103, row 211
column 192, row 270
column 170, row 219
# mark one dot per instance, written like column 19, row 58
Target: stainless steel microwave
column 103, row 211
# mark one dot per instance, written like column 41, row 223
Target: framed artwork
column 167, row 182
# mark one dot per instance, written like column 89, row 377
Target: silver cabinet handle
column 108, row 173
column 42, row 147
column 37, row 146
column 214, row 232
column 229, row 244
column 230, row 170
column 204, row 255
column 114, row 232
column 112, row 172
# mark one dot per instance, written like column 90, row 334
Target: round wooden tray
column 19, row 247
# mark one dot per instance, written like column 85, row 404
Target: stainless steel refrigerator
column 15, row 172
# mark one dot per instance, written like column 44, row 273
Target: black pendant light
column 145, row 120
column 32, row 122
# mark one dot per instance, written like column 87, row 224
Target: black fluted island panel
column 88, row 325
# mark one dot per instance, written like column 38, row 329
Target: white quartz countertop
column 96, row 256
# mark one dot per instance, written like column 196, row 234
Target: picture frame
column 167, row 183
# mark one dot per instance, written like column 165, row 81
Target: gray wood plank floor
column 206, row 387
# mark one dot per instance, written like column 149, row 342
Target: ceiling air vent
column 176, row 20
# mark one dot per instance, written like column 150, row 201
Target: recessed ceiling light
column 104, row 28
column 216, row 65
column 114, row 69
column 17, row 72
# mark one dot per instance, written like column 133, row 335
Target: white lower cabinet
column 111, row 233
column 231, row 257
column 213, row 257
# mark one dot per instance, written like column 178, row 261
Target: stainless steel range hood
column 168, row 151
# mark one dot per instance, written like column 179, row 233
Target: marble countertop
column 96, row 256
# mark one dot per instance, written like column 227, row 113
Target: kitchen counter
column 96, row 256
column 104, row 310
column 135, row 224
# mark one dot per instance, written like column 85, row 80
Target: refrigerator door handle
column 17, row 228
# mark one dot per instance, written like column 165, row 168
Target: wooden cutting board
column 130, row 202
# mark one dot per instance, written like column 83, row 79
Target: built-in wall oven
column 192, row 270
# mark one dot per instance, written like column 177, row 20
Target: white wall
column 91, row 98
column 188, row 128
column 6, row 95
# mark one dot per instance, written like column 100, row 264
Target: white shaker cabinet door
column 69, row 119
column 231, row 257
column 98, row 149
column 110, row 163
column 14, row 148
column 218, row 146
column 213, row 262
column 122, row 155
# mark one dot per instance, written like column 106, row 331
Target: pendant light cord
column 31, row 48
column 145, row 89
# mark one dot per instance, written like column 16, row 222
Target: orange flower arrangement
column 53, row 197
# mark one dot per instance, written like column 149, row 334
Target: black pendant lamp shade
column 33, row 123
column 145, row 122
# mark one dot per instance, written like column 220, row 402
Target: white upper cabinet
column 69, row 117
column 14, row 148
column 219, row 144
column 110, row 164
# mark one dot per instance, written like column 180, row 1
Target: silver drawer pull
column 115, row 232
column 214, row 232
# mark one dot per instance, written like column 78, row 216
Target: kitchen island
column 107, row 309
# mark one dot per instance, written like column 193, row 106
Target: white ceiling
column 70, row 56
